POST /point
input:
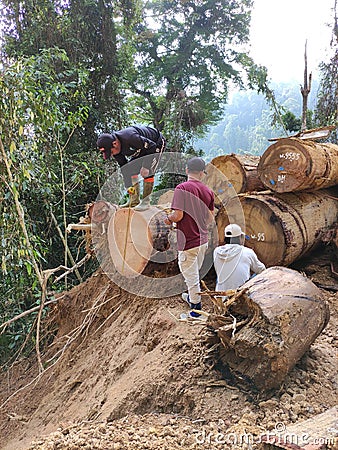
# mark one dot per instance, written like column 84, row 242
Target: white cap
column 233, row 230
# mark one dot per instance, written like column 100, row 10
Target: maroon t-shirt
column 196, row 200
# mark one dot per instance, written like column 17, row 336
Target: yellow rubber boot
column 134, row 198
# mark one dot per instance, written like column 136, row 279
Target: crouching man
column 234, row 264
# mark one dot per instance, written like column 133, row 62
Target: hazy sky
column 279, row 30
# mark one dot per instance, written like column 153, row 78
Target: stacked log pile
column 282, row 228
column 282, row 224
column 288, row 221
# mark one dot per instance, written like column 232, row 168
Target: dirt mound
column 124, row 373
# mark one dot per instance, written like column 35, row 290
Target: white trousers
column 189, row 262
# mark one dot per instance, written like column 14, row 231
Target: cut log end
column 265, row 332
column 291, row 164
column 134, row 236
column 231, row 174
column 232, row 170
column 281, row 228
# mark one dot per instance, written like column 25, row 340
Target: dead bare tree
column 305, row 90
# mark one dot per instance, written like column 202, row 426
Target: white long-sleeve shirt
column 233, row 264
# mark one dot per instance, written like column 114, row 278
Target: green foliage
column 291, row 122
column 96, row 37
column 69, row 98
column 161, row 62
column 37, row 99
column 184, row 62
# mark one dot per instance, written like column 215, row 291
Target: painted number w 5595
column 292, row 156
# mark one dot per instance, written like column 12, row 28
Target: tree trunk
column 281, row 228
column 233, row 172
column 305, row 90
column 293, row 164
column 135, row 237
column 277, row 320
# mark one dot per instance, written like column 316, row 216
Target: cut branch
column 23, row 314
column 65, row 245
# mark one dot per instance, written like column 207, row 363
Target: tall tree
column 161, row 62
column 187, row 52
column 326, row 112
column 94, row 35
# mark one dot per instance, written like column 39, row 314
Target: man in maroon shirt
column 193, row 206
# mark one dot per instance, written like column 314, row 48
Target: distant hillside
column 247, row 123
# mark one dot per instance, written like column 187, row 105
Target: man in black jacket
column 143, row 146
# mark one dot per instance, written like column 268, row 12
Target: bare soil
column 124, row 373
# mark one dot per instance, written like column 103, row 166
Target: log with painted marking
column 292, row 164
column 227, row 174
column 281, row 228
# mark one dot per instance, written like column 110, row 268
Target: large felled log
column 233, row 172
column 134, row 237
column 281, row 228
column 265, row 331
column 293, row 164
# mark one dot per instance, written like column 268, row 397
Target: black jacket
column 138, row 141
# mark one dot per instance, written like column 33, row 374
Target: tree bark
column 281, row 315
column 281, row 228
column 293, row 164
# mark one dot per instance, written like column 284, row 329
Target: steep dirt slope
column 132, row 365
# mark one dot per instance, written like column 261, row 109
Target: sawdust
column 136, row 378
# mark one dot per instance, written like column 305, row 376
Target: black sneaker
column 194, row 315
column 197, row 306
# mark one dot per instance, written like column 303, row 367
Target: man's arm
column 174, row 216
column 256, row 265
column 120, row 159
column 210, row 218
column 177, row 205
